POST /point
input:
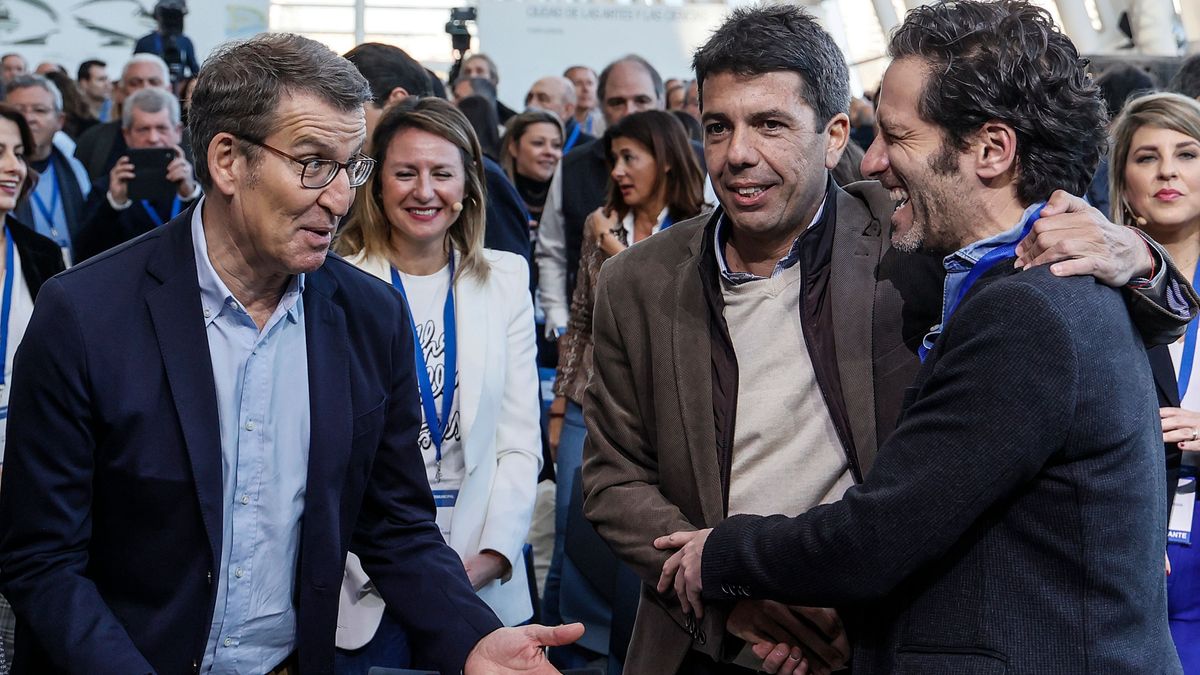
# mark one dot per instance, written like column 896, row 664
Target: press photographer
column 148, row 186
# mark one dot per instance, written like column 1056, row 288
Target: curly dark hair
column 777, row 38
column 1007, row 61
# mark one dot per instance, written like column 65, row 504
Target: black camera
column 456, row 27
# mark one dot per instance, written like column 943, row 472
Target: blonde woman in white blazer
column 418, row 225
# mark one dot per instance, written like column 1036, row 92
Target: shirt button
column 249, row 425
column 245, row 499
column 207, row 313
column 238, row 573
column 228, row 641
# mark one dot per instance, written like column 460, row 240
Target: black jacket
column 1013, row 522
column 73, row 201
column 41, row 258
column 107, row 227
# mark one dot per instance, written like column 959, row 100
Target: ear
column 838, row 131
column 125, row 133
column 398, row 94
column 227, row 166
column 995, row 151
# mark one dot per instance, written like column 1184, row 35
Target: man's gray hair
column 144, row 57
column 30, row 81
column 150, row 100
column 241, row 84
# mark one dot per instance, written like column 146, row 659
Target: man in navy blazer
column 175, row 501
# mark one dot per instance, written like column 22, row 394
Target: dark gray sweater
column 1014, row 521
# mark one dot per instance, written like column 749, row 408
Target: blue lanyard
column 176, row 205
column 1189, row 352
column 436, row 425
column 666, row 222
column 6, row 306
column 48, row 211
column 988, row 261
column 571, row 139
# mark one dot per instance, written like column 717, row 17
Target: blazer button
column 210, row 577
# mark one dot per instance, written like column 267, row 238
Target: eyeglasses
column 317, row 172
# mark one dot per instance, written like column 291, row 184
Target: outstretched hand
column 1076, row 239
column 682, row 569
column 519, row 650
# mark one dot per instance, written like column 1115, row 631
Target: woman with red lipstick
column 418, row 225
column 1155, row 185
column 27, row 259
column 654, row 181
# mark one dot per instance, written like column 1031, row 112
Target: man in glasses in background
column 214, row 413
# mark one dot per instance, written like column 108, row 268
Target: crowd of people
column 320, row 363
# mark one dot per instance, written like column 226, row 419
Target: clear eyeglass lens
column 358, row 169
column 318, row 173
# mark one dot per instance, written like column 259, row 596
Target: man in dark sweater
column 1014, row 520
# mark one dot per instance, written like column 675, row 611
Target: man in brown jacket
column 788, row 311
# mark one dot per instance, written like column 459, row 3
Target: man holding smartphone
column 149, row 185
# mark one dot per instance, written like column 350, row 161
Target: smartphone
column 150, row 174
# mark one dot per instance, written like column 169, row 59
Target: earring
column 1141, row 222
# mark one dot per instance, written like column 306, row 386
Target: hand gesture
column 485, row 567
column 1076, row 239
column 602, row 221
column 1182, row 427
column 179, row 172
column 118, row 180
column 682, row 569
column 812, row 632
column 519, row 650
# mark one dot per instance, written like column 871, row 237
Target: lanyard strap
column 988, row 261
column 48, row 211
column 1189, row 352
column 6, row 303
column 176, row 205
column 437, row 425
column 667, row 221
column 571, row 139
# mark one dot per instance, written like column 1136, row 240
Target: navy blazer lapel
column 1164, row 374
column 330, row 420
column 177, row 315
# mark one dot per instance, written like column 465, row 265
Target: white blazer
column 501, row 432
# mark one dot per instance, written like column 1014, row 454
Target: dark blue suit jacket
column 110, row 516
column 1013, row 522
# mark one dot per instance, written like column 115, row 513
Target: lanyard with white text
column 6, row 303
column 437, row 426
column 1189, row 351
column 988, row 261
column 571, row 140
column 48, row 211
column 176, row 206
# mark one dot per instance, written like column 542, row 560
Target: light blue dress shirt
column 261, row 380
column 721, row 235
column 960, row 263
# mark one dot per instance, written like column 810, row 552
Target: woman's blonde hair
column 1162, row 111
column 368, row 230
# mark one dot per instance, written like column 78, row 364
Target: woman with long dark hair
column 655, row 181
column 27, row 259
